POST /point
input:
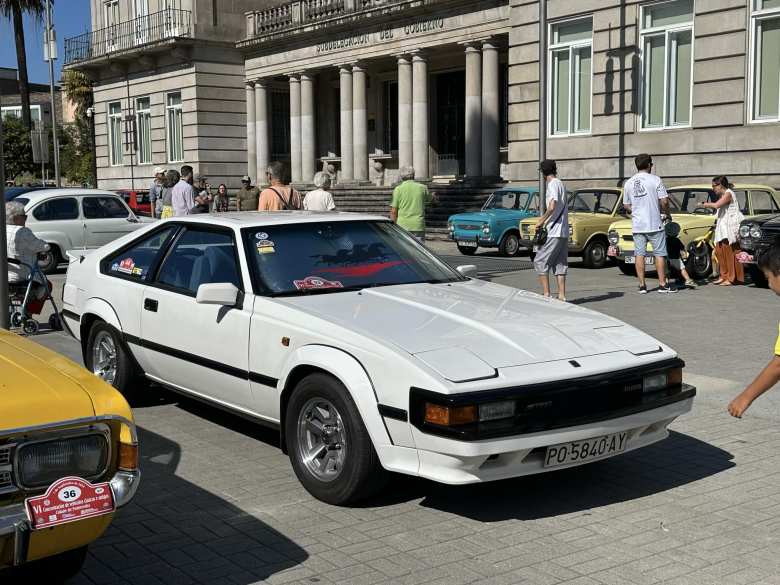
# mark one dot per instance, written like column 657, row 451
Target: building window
column 390, row 126
column 766, row 60
column 280, row 125
column 570, row 53
column 174, row 127
column 666, row 39
column 115, row 133
column 143, row 123
column 16, row 112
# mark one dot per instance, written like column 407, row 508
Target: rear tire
column 467, row 251
column 756, row 275
column 627, row 269
column 48, row 261
column 106, row 356
column 595, row 254
column 510, row 245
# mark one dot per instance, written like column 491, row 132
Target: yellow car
column 68, row 459
column 591, row 212
column 685, row 204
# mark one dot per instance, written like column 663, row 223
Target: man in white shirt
column 645, row 197
column 320, row 199
column 553, row 255
column 183, row 196
column 22, row 245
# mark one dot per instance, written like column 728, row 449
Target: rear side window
column 137, row 262
column 742, row 201
column 763, row 202
column 57, row 209
column 103, row 208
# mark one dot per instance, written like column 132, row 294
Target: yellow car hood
column 686, row 221
column 39, row 386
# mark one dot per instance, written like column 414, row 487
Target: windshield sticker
column 315, row 282
column 126, row 266
column 265, row 247
column 138, row 271
column 365, row 269
column 261, row 236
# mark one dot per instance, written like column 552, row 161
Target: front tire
column 699, row 263
column 55, row 569
column 510, row 245
column 627, row 269
column 106, row 356
column 467, row 251
column 595, row 254
column 329, row 446
column 757, row 276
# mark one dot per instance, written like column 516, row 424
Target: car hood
column 38, row 386
column 769, row 220
column 467, row 330
column 585, row 218
column 684, row 220
column 488, row 214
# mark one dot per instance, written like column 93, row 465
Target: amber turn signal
column 674, row 377
column 128, row 457
column 450, row 415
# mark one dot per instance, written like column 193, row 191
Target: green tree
column 17, row 148
column 78, row 89
column 76, row 149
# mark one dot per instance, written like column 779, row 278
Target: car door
column 57, row 220
column 106, row 218
column 202, row 349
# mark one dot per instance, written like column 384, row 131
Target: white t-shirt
column 558, row 224
column 22, row 245
column 318, row 200
column 643, row 192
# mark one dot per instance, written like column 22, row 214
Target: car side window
column 509, row 200
column 138, row 260
column 200, row 257
column 763, row 202
column 103, row 208
column 742, row 200
column 57, row 209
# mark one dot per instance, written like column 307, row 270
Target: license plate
column 587, row 450
column 649, row 260
column 612, row 251
column 68, row 500
column 467, row 243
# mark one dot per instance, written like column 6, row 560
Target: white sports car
column 366, row 351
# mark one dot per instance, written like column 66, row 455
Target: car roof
column 248, row 219
column 600, row 188
column 532, row 188
column 708, row 186
column 40, row 195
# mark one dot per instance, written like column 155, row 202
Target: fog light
column 450, row 415
column 496, row 410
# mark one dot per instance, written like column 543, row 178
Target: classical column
column 261, row 131
column 251, row 146
column 295, row 129
column 405, row 111
column 490, row 111
column 308, row 144
column 420, row 116
column 347, row 150
column 359, row 123
column 473, row 111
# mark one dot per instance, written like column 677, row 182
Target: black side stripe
column 202, row 361
column 70, row 315
column 393, row 412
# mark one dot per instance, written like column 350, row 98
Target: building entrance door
column 450, row 123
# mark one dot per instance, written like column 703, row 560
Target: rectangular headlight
column 41, row 464
column 496, row 410
column 654, row 382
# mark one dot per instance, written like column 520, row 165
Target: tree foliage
column 17, row 148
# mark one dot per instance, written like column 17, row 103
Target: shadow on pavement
column 597, row 298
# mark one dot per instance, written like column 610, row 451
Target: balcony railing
column 301, row 12
column 166, row 24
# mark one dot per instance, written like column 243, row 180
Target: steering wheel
column 603, row 209
column 701, row 211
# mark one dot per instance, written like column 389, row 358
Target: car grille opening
column 6, row 481
column 469, row 226
column 5, row 456
column 628, row 238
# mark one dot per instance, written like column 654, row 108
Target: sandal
column 725, row 283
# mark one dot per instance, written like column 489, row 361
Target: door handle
column 150, row 305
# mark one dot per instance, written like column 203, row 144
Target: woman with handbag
column 726, row 232
column 552, row 233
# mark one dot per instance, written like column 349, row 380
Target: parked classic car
column 58, row 421
column 68, row 219
column 367, row 352
column 138, row 200
column 496, row 224
column 694, row 221
column 13, row 192
column 591, row 212
column 756, row 234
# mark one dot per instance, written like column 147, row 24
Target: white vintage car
column 366, row 351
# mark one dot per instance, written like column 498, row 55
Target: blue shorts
column 657, row 239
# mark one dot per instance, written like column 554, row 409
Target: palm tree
column 78, row 90
column 14, row 9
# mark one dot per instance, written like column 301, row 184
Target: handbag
column 542, row 232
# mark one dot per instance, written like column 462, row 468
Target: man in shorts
column 645, row 197
column 553, row 255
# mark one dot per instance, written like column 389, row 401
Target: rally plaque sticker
column 67, row 500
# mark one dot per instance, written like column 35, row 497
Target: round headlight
column 755, row 232
column 613, row 237
column 485, row 228
column 450, row 226
column 744, row 231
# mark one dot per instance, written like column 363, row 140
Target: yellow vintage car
column 59, row 426
column 591, row 212
column 685, row 204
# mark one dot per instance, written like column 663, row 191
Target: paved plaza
column 219, row 502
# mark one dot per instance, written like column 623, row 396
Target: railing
column 166, row 24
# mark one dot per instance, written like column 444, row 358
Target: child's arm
column 768, row 377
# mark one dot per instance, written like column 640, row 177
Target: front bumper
column 483, row 240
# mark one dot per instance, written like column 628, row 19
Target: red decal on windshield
column 316, row 282
column 365, row 269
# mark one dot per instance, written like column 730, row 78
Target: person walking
column 171, row 180
column 279, row 196
column 247, row 196
column 155, row 192
column 221, row 199
column 726, row 232
column 22, row 245
column 320, row 199
column 645, row 197
column 183, row 196
column 553, row 255
column 407, row 207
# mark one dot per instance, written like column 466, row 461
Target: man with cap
column 155, row 191
column 247, row 196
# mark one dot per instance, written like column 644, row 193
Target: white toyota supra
column 366, row 351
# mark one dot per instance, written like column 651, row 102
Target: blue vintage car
column 496, row 225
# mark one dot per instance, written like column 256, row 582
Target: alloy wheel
column 322, row 439
column 104, row 357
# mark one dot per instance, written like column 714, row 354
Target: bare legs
column 544, row 280
column 660, row 264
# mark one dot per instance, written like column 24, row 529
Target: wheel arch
column 512, row 229
column 96, row 309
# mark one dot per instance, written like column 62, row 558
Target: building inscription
column 413, row 28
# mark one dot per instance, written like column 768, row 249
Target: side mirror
column 467, row 270
column 224, row 294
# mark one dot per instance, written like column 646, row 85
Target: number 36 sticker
column 67, row 500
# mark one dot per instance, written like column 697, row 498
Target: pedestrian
column 155, row 192
column 22, row 245
column 645, row 197
column 203, row 189
column 171, row 179
column 279, row 196
column 247, row 196
column 553, row 253
column 320, row 199
column 183, row 195
column 769, row 264
column 727, row 232
column 221, row 199
column 407, row 207
column 677, row 253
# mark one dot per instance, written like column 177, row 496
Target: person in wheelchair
column 24, row 247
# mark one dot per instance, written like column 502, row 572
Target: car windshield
column 508, row 200
column 337, row 256
column 691, row 200
column 594, row 201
